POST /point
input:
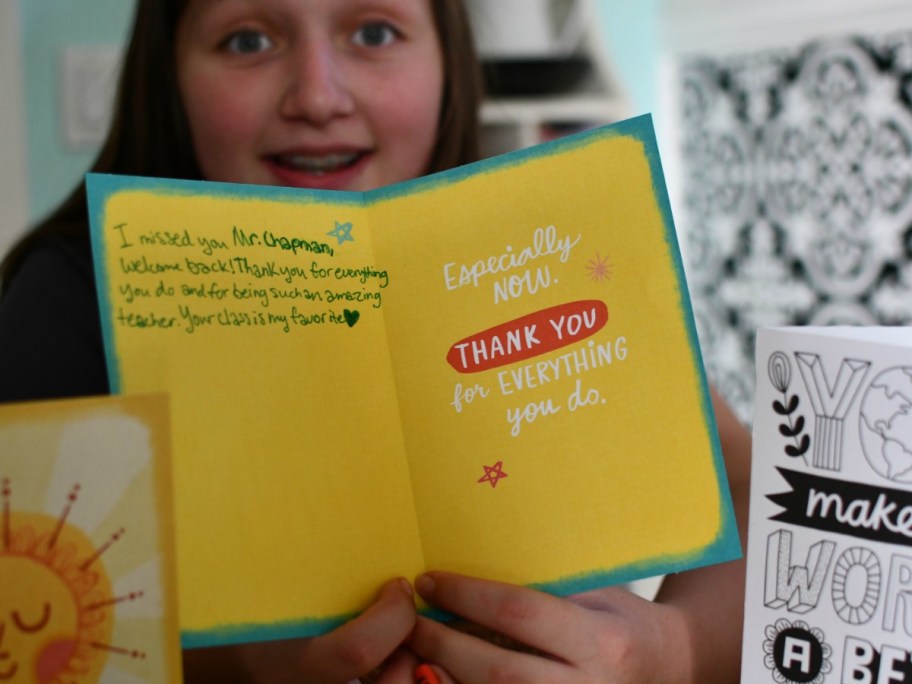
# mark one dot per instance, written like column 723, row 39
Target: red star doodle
column 493, row 474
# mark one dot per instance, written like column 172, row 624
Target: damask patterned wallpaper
column 797, row 204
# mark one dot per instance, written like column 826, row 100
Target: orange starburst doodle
column 599, row 268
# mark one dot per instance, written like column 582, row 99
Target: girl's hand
column 353, row 650
column 691, row 633
column 605, row 636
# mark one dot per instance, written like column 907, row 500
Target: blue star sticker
column 342, row 232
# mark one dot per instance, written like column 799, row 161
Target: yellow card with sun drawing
column 491, row 370
column 87, row 584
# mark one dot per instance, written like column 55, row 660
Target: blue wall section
column 47, row 27
column 630, row 32
column 627, row 26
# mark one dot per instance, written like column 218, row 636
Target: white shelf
column 514, row 123
column 552, row 109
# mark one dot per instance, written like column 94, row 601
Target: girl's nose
column 317, row 90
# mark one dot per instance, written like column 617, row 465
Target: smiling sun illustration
column 56, row 617
column 87, row 575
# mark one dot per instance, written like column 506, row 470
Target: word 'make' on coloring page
column 492, row 370
column 87, row 585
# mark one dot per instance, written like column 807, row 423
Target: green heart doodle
column 351, row 317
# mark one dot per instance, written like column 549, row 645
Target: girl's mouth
column 318, row 165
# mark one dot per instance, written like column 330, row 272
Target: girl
column 339, row 94
column 195, row 103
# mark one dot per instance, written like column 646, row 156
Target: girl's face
column 332, row 94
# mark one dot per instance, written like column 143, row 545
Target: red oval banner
column 529, row 336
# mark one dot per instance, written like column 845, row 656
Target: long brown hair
column 150, row 136
column 458, row 135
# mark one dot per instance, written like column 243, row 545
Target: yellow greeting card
column 87, row 586
column 492, row 370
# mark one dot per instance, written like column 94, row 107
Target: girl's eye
column 30, row 627
column 375, row 34
column 247, row 42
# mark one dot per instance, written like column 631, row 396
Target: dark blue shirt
column 50, row 332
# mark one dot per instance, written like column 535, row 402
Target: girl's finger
column 399, row 669
column 469, row 659
column 432, row 674
column 359, row 646
column 547, row 623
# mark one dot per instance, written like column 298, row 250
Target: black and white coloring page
column 829, row 553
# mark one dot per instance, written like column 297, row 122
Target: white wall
column 737, row 26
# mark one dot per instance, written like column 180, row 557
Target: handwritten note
column 491, row 370
column 237, row 283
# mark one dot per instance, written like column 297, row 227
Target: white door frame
column 14, row 198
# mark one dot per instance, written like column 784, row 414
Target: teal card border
column 725, row 547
